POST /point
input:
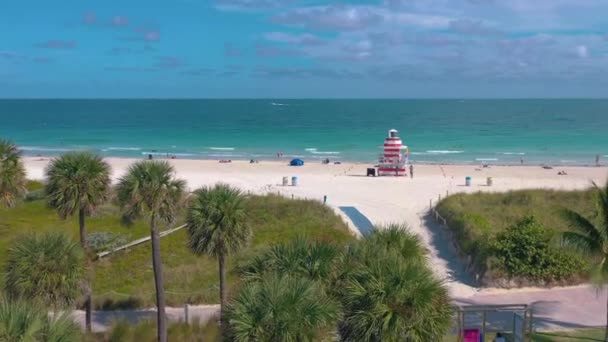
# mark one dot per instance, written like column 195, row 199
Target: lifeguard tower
column 394, row 159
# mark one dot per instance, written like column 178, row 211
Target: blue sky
column 304, row 48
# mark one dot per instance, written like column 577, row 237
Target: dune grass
column 125, row 279
column 475, row 219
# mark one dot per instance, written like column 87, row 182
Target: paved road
column 102, row 320
column 553, row 309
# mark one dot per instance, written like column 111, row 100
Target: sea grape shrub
column 524, row 253
column 104, row 241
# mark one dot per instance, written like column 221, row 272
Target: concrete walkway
column 102, row 320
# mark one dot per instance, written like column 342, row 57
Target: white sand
column 382, row 200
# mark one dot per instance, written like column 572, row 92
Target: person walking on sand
column 412, row 170
column 597, row 160
column 521, row 160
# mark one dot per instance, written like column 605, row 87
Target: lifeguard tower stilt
column 393, row 161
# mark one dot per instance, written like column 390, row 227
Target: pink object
column 472, row 335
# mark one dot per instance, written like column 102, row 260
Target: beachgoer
column 412, row 170
column 521, row 160
column 499, row 338
column 597, row 160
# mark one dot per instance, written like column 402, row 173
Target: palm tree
column 216, row 224
column 22, row 321
column 300, row 257
column 149, row 188
column 78, row 182
column 12, row 174
column 46, row 267
column 399, row 238
column 282, row 308
column 387, row 297
column 591, row 236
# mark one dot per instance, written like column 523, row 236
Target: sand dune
column 381, row 200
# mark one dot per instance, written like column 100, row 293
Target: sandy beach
column 380, row 199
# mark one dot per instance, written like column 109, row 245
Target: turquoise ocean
column 561, row 132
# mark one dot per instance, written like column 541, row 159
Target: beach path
column 383, row 200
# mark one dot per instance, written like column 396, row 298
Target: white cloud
column 582, row 51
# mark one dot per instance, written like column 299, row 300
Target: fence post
column 431, row 204
column 483, row 324
column 186, row 314
column 531, row 324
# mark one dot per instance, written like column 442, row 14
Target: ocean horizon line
column 302, row 98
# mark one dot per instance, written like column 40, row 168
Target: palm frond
column 282, row 309
column 47, row 268
column 77, row 180
column 12, row 174
column 150, row 187
column 216, row 221
column 584, row 226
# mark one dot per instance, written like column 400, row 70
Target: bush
column 35, row 195
column 104, row 241
column 524, row 251
column 476, row 219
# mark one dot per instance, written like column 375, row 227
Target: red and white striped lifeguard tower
column 394, row 159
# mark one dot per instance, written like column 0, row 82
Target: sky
column 303, row 48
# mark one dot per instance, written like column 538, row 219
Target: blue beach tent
column 296, row 162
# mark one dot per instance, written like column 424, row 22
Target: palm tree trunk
column 223, row 302
column 161, row 319
column 88, row 305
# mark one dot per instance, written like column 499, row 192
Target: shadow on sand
column 361, row 222
column 439, row 240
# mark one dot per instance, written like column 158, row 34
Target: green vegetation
column 21, row 321
column 12, row 175
column 78, row 183
column 149, row 190
column 283, row 308
column 590, row 236
column 217, row 226
column 376, row 289
column 524, row 252
column 46, row 268
column 125, row 279
column 475, row 221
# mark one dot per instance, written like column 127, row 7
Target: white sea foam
column 122, row 149
column 44, row 149
column 278, row 104
column 486, row 159
column 154, row 153
column 443, row 152
column 222, row 148
column 325, row 152
column 226, row 155
column 420, row 153
column 310, row 149
column 514, row 153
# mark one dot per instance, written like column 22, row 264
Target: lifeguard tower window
column 392, row 133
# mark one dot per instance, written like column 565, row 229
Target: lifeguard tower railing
column 515, row 320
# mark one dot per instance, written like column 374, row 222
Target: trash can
column 489, row 181
column 467, row 181
column 371, row 171
column 294, row 181
column 285, row 181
